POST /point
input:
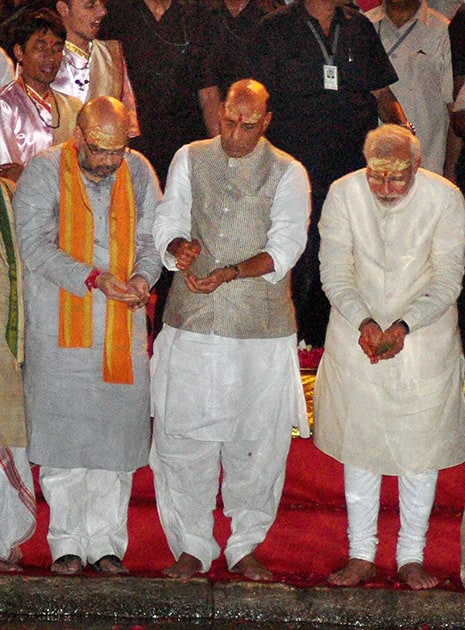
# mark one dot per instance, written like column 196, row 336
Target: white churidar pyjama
column 88, row 511
column 186, row 475
column 416, row 497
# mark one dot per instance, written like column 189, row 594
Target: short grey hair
column 385, row 139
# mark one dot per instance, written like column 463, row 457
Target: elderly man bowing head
column 226, row 384
column 388, row 396
column 84, row 213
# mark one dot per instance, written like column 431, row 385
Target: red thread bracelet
column 91, row 278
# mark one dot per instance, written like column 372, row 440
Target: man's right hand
column 11, row 170
column 184, row 252
column 114, row 289
column 371, row 337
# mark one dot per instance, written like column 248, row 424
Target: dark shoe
column 110, row 564
column 67, row 565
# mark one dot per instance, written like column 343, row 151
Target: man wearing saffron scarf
column 84, row 213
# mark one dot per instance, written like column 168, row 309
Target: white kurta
column 231, row 381
column 406, row 414
column 75, row 419
column 423, row 64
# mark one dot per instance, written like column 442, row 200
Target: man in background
column 416, row 40
column 328, row 77
column 92, row 67
column 33, row 116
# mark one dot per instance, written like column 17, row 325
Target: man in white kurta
column 87, row 398
column 388, row 395
column 416, row 39
column 226, row 384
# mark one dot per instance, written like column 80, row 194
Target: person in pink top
column 32, row 115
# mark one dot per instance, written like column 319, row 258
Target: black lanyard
column 329, row 58
column 401, row 38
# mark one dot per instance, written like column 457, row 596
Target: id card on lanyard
column 330, row 77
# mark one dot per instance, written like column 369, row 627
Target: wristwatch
column 410, row 126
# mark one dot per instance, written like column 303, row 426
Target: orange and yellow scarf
column 76, row 238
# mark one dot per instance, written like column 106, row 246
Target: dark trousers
column 311, row 304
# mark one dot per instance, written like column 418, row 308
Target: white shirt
column 423, row 63
column 289, row 214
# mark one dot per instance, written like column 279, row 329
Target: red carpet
column 308, row 539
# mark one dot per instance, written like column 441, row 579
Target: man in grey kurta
column 87, row 434
column 388, row 394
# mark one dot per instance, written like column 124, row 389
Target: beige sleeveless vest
column 68, row 108
column 231, row 205
column 106, row 69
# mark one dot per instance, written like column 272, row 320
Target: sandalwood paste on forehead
column 107, row 137
column 388, row 165
column 236, row 113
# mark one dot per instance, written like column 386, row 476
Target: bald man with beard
column 84, row 213
column 226, row 386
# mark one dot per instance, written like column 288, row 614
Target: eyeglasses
column 98, row 152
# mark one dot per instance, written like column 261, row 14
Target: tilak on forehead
column 236, row 112
column 107, row 134
column 388, row 165
column 107, row 137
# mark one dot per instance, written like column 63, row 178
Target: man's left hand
column 393, row 341
column 211, row 282
column 138, row 285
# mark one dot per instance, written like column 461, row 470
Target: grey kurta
column 74, row 418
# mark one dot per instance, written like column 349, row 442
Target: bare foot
column 111, row 565
column 414, row 575
column 353, row 573
column 184, row 568
column 67, row 565
column 250, row 568
column 9, row 567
